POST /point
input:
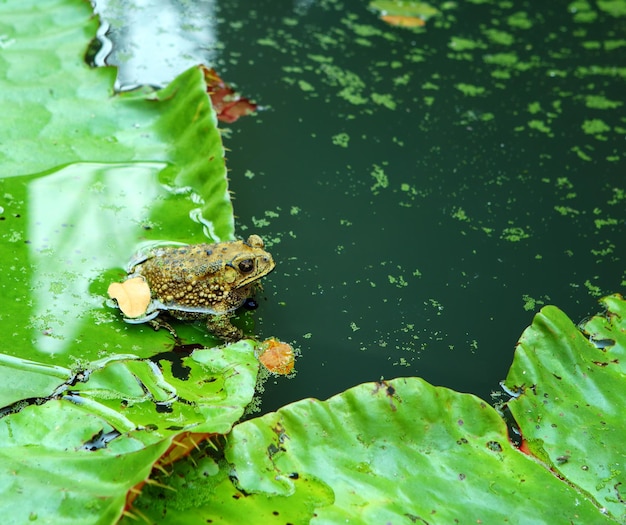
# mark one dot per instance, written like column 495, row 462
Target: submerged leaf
column 403, row 21
column 404, row 13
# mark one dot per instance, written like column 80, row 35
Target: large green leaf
column 571, row 405
column 24, row 379
column 68, row 233
column 74, row 459
column 405, row 450
column 50, row 476
column 402, row 451
column 56, row 110
column 119, row 170
column 206, row 393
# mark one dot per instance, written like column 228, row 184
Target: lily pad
column 206, row 391
column 23, row 379
column 385, row 452
column 400, row 449
column 64, row 256
column 81, row 454
column 51, row 474
column 406, row 450
column 571, row 402
column 118, row 170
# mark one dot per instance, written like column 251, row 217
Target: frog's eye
column 246, row 266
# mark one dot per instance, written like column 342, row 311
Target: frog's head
column 251, row 262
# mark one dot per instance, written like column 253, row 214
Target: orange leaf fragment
column 132, row 296
column 277, row 357
column 404, row 21
column 228, row 105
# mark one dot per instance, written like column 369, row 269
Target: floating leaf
column 76, row 199
column 205, row 391
column 24, row 379
column 571, row 405
column 400, row 451
column 404, row 13
column 403, row 21
column 88, row 448
column 276, row 356
column 52, row 473
column 403, row 449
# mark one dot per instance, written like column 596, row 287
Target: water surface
column 424, row 192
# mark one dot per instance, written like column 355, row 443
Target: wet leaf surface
column 384, row 452
column 50, row 476
column 71, row 229
column 571, row 404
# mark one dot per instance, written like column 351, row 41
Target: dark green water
column 423, row 193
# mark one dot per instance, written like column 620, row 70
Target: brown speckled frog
column 202, row 281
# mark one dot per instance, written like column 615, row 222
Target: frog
column 199, row 281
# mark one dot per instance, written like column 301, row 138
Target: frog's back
column 205, row 278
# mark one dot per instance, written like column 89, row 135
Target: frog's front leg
column 221, row 326
column 158, row 323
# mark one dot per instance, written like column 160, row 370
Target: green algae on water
column 470, row 90
column 381, row 180
column 341, row 139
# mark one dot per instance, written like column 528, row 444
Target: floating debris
column 276, row 356
column 132, row 296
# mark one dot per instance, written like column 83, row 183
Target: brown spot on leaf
column 390, row 392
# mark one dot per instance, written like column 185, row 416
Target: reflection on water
column 82, row 219
column 158, row 39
